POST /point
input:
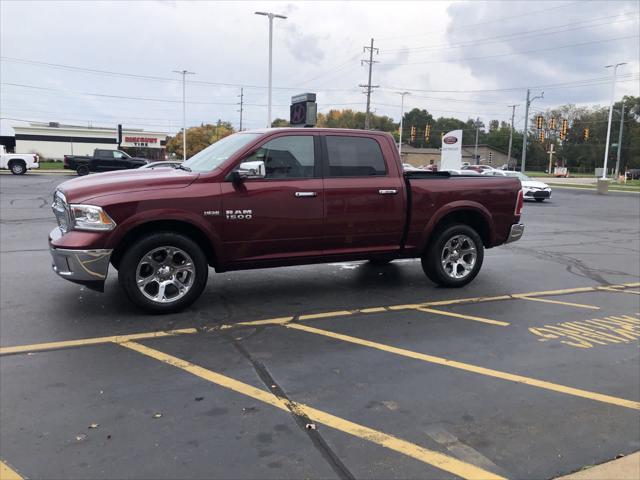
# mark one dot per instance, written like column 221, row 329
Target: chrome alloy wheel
column 459, row 256
column 165, row 274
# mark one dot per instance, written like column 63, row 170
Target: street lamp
column 271, row 17
column 184, row 73
column 402, row 94
column 613, row 92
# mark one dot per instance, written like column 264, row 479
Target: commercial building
column 53, row 140
column 421, row 157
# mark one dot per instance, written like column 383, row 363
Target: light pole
column 402, row 94
column 526, row 122
column 613, row 92
column 513, row 114
column 271, row 16
column 184, row 74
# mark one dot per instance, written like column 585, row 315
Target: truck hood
column 82, row 189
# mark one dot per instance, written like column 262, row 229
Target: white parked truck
column 18, row 163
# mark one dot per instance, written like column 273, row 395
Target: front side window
column 354, row 157
column 287, row 157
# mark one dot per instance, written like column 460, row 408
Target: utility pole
column 271, row 17
column 620, row 140
column 184, row 74
column 475, row 151
column 526, row 123
column 402, row 94
column 550, row 152
column 368, row 86
column 241, row 105
column 613, row 92
column 513, row 114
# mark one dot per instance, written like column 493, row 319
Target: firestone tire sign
column 451, row 152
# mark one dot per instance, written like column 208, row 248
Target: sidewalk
column 625, row 468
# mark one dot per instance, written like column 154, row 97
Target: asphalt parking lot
column 345, row 370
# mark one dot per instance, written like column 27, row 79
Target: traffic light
column 413, row 134
column 539, row 122
column 565, row 128
column 552, row 123
column 490, row 157
column 541, row 136
column 585, row 134
column 427, row 132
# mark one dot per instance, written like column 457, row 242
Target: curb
column 590, row 189
column 625, row 468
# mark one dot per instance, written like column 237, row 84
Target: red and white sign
column 451, row 153
column 141, row 141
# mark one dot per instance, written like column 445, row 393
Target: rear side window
column 354, row 157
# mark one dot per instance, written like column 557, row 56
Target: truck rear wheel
column 82, row 170
column 163, row 272
column 18, row 167
column 454, row 257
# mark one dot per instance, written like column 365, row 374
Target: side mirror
column 253, row 169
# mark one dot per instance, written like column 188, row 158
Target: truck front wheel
column 163, row 272
column 454, row 257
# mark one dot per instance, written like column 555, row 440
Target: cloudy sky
column 103, row 63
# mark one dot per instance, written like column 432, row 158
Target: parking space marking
column 617, row 289
column 436, row 459
column 8, row 473
column 282, row 320
column 556, row 302
column 465, row 317
column 93, row 341
column 621, row 402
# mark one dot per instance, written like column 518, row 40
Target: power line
column 483, row 57
column 146, row 77
column 507, row 89
column 518, row 35
column 495, row 20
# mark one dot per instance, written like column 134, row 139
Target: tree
column 199, row 138
column 280, row 122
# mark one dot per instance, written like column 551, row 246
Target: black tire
column 539, row 200
column 128, row 270
column 432, row 263
column 18, row 167
column 82, row 170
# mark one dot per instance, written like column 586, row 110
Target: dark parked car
column 102, row 161
column 633, row 174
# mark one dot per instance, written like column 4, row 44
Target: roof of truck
column 303, row 129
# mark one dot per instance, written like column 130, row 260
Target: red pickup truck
column 276, row 197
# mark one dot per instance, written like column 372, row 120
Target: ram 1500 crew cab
column 276, row 197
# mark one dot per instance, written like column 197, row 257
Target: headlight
column 90, row 217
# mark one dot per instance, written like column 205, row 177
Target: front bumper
column 538, row 194
column 516, row 232
column 86, row 267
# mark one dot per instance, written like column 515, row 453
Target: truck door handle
column 306, row 194
column 392, row 191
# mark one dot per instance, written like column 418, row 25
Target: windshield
column 214, row 155
column 521, row 176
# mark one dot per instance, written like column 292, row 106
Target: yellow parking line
column 613, row 289
column 557, row 302
column 436, row 459
column 632, row 284
column 472, row 368
column 565, row 291
column 8, row 473
column 339, row 313
column 93, row 341
column 465, row 317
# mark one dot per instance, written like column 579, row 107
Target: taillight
column 519, row 203
column 36, row 159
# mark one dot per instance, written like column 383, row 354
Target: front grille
column 61, row 211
